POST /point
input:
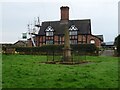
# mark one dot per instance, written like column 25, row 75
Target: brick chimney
column 64, row 13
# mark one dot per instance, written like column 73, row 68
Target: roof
column 100, row 37
column 83, row 26
column 20, row 41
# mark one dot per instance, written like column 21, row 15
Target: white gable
column 73, row 28
column 49, row 28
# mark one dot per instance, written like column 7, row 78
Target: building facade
column 52, row 32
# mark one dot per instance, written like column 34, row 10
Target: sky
column 15, row 15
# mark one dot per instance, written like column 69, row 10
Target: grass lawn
column 26, row 71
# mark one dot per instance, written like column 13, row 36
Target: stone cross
column 67, row 49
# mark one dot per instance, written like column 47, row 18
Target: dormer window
column 49, row 35
column 73, row 30
column 49, row 31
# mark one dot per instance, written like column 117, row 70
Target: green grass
column 26, row 71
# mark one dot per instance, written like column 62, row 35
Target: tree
column 117, row 44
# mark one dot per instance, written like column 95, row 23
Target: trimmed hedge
column 45, row 48
column 89, row 48
column 86, row 48
column 81, row 48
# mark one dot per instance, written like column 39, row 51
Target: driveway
column 107, row 53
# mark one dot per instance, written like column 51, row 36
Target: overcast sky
column 16, row 15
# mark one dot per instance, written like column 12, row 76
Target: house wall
column 57, row 40
column 97, row 40
column 29, row 44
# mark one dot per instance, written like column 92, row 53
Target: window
column 73, row 30
column 49, row 42
column 73, row 37
column 60, row 40
column 49, row 31
column 73, row 34
column 49, row 38
column 73, row 41
column 92, row 41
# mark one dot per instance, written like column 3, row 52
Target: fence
column 56, row 56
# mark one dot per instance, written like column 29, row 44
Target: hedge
column 81, row 48
column 88, row 48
